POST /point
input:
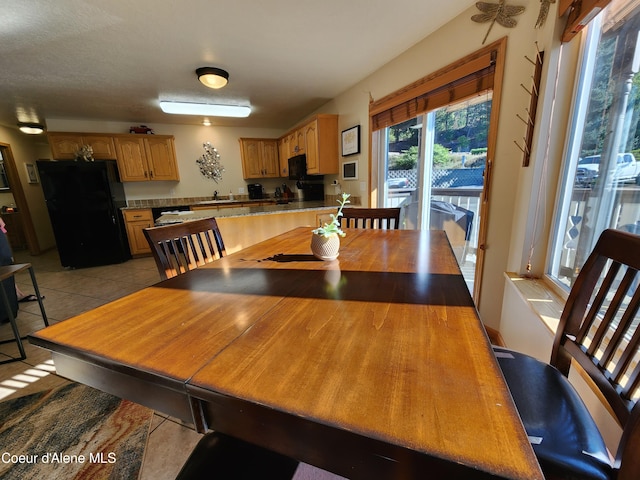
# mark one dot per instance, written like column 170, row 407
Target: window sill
column 544, row 299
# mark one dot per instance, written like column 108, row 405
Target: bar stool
column 8, row 271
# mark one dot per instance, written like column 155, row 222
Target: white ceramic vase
column 325, row 248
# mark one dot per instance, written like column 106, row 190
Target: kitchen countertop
column 170, row 204
column 293, row 206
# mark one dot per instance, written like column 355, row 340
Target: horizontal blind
column 471, row 78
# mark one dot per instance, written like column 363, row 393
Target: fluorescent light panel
column 204, row 109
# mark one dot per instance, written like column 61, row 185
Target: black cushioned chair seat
column 218, row 456
column 562, row 432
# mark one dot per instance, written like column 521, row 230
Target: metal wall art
column 544, row 11
column 209, row 163
column 496, row 12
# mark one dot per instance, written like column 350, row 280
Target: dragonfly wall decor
column 496, row 12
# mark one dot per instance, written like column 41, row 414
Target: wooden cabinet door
column 311, row 147
column 283, row 152
column 251, row 161
column 136, row 222
column 64, row 147
column 103, row 146
column 132, row 159
column 161, row 158
column 300, row 141
column 269, row 154
column 296, row 143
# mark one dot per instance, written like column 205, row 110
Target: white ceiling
column 116, row 59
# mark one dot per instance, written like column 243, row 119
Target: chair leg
column 38, row 296
column 14, row 326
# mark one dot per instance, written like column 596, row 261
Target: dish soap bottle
column 230, row 195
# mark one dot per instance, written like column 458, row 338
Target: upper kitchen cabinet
column 65, row 145
column 259, row 157
column 141, row 158
column 284, row 154
column 146, row 158
column 318, row 140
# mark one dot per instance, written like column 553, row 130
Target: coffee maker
column 255, row 191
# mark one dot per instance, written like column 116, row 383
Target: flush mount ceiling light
column 205, row 109
column 212, row 77
column 31, row 128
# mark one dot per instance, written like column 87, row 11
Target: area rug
column 72, row 432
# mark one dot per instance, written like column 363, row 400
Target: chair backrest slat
column 377, row 218
column 599, row 327
column 181, row 247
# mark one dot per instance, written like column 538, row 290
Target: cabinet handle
column 151, row 174
column 146, row 175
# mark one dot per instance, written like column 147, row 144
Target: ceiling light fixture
column 31, row 128
column 212, row 77
column 205, row 109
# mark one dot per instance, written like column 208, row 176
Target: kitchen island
column 244, row 226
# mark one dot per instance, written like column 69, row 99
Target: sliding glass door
column 434, row 170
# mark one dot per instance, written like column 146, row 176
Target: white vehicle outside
column 627, row 170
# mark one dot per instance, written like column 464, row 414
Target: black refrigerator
column 84, row 201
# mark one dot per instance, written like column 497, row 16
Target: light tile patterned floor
column 70, row 292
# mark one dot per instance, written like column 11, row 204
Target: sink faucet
column 215, row 195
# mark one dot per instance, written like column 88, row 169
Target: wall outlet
column 240, row 190
column 363, row 186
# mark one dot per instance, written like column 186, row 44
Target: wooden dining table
column 375, row 365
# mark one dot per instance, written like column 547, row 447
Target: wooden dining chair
column 381, row 218
column 599, row 331
column 180, row 247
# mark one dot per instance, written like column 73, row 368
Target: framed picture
column 351, row 141
column 32, row 175
column 350, row 170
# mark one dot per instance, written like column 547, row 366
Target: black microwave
column 298, row 167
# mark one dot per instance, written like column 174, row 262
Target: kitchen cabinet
column 321, row 145
column 284, row 154
column 65, row 145
column 135, row 222
column 318, row 140
column 146, row 158
column 259, row 157
column 141, row 158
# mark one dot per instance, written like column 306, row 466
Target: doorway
column 14, row 208
column 433, row 169
column 445, row 128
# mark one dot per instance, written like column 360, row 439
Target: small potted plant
column 325, row 242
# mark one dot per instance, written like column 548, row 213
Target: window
column 601, row 176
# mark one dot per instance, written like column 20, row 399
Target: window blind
column 472, row 77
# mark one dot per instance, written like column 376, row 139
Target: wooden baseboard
column 495, row 337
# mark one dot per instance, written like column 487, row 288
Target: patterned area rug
column 72, row 432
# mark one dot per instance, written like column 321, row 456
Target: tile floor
column 68, row 293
